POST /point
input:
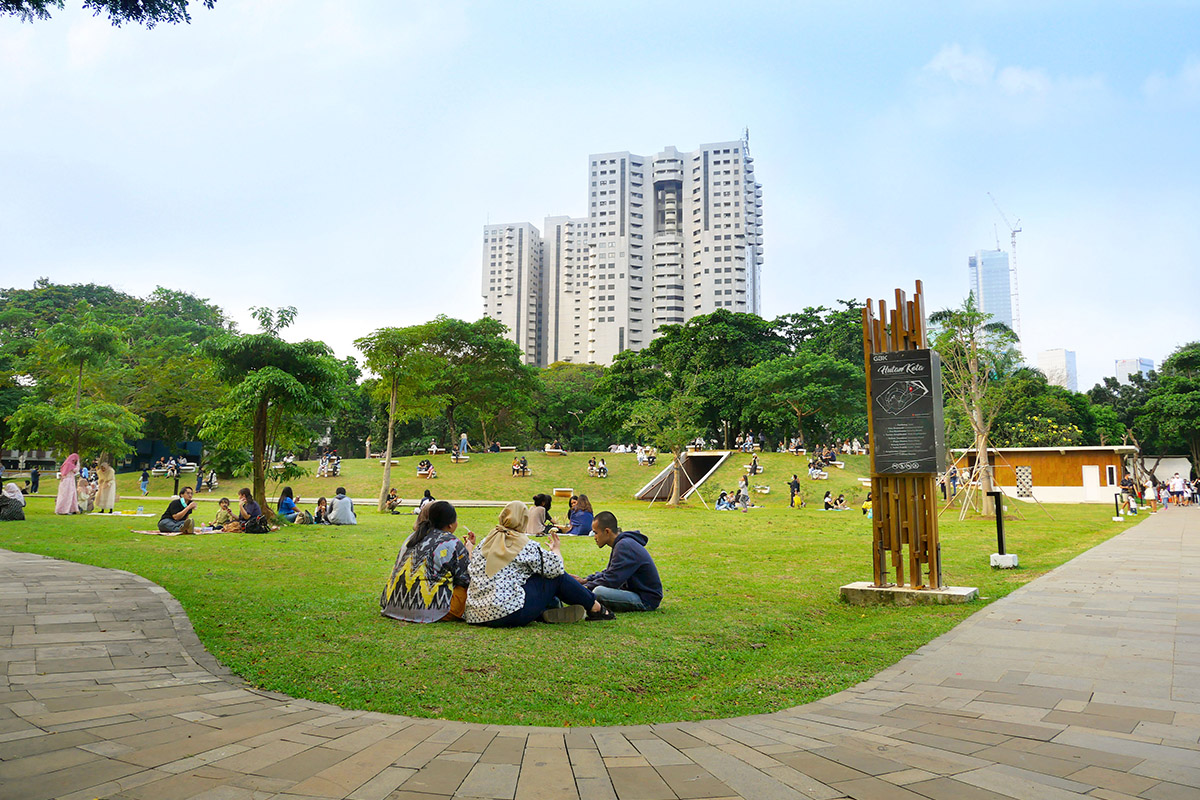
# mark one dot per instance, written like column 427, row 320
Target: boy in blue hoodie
column 630, row 582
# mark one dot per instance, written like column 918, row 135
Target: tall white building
column 512, row 284
column 1128, row 366
column 1058, row 366
column 991, row 284
column 666, row 238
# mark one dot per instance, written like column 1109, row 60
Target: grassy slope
column 752, row 621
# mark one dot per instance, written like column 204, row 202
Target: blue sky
column 342, row 156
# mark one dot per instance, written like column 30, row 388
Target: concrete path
column 1085, row 683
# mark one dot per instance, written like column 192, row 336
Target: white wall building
column 666, row 238
column 1128, row 366
column 512, row 283
column 1058, row 366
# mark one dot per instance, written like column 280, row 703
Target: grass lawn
column 752, row 621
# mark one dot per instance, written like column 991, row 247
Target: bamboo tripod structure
column 905, row 506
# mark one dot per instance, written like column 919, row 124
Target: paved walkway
column 1084, row 683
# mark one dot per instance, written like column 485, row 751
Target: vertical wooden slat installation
column 904, row 513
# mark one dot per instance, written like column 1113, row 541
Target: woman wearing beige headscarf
column 515, row 581
column 83, row 489
column 106, row 495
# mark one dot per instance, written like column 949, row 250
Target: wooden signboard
column 904, row 407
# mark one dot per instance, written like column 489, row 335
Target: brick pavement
column 1084, row 683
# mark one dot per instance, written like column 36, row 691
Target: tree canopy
column 119, row 12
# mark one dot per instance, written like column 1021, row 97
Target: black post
column 176, row 484
column 998, row 497
column 1116, row 505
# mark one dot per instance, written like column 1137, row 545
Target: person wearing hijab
column 429, row 581
column 12, row 504
column 68, row 496
column 514, row 581
column 107, row 495
column 83, row 490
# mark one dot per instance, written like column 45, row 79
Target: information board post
column 904, row 418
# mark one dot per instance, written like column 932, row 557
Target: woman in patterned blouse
column 429, row 581
column 515, row 581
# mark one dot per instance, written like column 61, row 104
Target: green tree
column 808, row 386
column 976, row 354
column 835, row 332
column 406, row 371
column 479, row 371
column 272, row 381
column 141, row 12
column 670, row 425
column 564, row 402
column 1174, row 405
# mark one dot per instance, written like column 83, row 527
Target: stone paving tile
column 1086, row 680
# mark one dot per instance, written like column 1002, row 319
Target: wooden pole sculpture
column 904, row 420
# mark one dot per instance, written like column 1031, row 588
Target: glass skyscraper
column 991, row 285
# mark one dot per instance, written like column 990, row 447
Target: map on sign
column 901, row 395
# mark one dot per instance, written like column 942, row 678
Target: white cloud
column 1183, row 86
column 975, row 68
column 1018, row 80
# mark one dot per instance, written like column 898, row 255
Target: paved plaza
column 1085, row 683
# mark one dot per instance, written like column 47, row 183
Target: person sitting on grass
column 429, row 581
column 12, row 504
column 579, row 518
column 250, row 513
column 630, row 582
column 224, row 514
column 538, row 521
column 341, row 509
column 602, row 469
column 840, row 503
column 321, row 516
column 287, row 504
column 392, row 503
column 867, row 505
column 723, row 502
column 495, row 448
column 514, row 581
column 178, row 516
column 829, row 501
column 592, row 466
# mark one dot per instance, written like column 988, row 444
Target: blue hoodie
column 631, row 568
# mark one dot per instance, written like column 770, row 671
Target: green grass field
column 752, row 620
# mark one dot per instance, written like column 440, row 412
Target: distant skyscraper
column 666, row 238
column 1128, row 366
column 1059, row 368
column 991, row 285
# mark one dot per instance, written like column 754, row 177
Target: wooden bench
column 511, row 449
column 395, row 462
column 801, row 452
column 555, row 452
column 435, row 451
column 746, row 468
column 838, row 464
column 560, row 491
column 457, row 459
column 865, row 482
column 523, row 473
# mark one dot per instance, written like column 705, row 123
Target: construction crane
column 1012, row 267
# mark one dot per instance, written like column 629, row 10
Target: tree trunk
column 260, row 454
column 676, row 479
column 78, row 400
column 387, row 451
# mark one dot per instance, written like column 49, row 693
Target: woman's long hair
column 284, row 492
column 441, row 516
column 583, row 504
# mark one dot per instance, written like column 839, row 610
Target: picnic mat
column 197, row 532
column 117, row 514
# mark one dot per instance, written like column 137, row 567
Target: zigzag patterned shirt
column 424, row 578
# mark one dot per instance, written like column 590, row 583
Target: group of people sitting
column 520, row 466
column 736, row 500
column 745, row 442
column 425, row 469
column 555, row 445
column 597, row 469
column 835, row 504
column 177, row 518
column 171, row 465
column 508, row 580
column 329, row 465
column 646, row 456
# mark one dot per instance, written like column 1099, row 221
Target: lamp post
column 579, row 420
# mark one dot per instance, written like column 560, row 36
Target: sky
column 341, row 157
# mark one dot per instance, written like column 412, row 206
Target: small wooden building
column 1055, row 474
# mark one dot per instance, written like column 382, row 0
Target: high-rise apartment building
column 512, row 284
column 1128, row 366
column 1058, row 366
column 992, row 285
column 666, row 238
